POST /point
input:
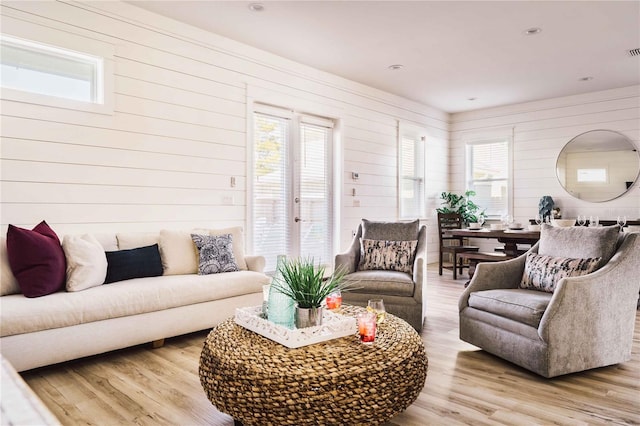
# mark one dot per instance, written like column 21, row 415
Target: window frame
column 50, row 40
column 419, row 137
column 487, row 139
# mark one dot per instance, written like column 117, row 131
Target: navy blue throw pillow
column 134, row 263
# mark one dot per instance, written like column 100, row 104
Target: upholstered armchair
column 402, row 291
column 586, row 321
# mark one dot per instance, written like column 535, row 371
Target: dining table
column 509, row 237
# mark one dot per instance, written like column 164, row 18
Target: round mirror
column 598, row 165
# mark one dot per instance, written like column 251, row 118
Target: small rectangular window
column 592, row 175
column 46, row 70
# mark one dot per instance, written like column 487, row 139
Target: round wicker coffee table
column 338, row 382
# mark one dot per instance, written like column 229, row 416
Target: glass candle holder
column 377, row 307
column 367, row 327
column 334, row 300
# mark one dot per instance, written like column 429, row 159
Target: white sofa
column 66, row 325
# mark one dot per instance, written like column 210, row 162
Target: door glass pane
column 271, row 221
column 315, row 201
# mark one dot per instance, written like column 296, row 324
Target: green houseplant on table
column 461, row 204
column 304, row 282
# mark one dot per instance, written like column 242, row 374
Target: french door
column 291, row 208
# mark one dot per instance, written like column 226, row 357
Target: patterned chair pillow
column 387, row 255
column 215, row 253
column 543, row 272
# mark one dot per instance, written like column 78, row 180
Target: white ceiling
column 451, row 50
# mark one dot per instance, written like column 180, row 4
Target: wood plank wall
column 541, row 129
column 178, row 132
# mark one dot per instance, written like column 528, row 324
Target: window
column 411, row 171
column 51, row 71
column 291, row 186
column 488, row 175
column 591, row 175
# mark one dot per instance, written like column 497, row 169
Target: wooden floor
column 464, row 384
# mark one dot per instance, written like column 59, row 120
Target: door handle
column 297, row 219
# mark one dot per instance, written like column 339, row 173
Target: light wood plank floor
column 464, row 384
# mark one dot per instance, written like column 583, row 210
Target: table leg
column 472, row 270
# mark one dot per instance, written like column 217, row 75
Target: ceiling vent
column 634, row 52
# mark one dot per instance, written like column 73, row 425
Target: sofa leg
column 157, row 344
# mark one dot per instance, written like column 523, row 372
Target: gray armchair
column 403, row 293
column 587, row 321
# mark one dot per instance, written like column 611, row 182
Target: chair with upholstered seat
column 391, row 268
column 450, row 244
column 567, row 305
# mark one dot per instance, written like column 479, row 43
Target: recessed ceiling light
column 395, row 67
column 532, row 31
column 256, row 7
column 588, row 78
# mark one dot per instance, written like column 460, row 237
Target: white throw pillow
column 8, row 282
column 178, row 252
column 131, row 240
column 237, row 236
column 86, row 262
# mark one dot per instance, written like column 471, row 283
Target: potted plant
column 461, row 204
column 304, row 282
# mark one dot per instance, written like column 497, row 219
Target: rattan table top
column 340, row 381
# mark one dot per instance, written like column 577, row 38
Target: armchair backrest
column 579, row 242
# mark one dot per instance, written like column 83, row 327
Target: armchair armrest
column 255, row 263
column 598, row 307
column 418, row 266
column 490, row 276
column 348, row 260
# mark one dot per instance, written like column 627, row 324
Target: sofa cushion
column 387, row 255
column 36, row 259
column 178, row 252
column 238, row 243
column 131, row 240
column 86, row 262
column 382, row 283
column 520, row 305
column 8, row 282
column 579, row 242
column 543, row 272
column 133, row 263
column 390, row 231
column 215, row 253
column 121, row 299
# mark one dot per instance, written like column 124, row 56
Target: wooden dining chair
column 451, row 245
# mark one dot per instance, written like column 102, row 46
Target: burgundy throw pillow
column 36, row 259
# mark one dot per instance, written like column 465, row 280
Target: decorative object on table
column 563, row 223
column 594, row 221
column 303, row 281
column 545, row 207
column 581, row 220
column 556, row 213
column 622, row 221
column 281, row 307
column 461, row 204
column 334, row 300
column 367, row 325
column 377, row 307
column 333, row 326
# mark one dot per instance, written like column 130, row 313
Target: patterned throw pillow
column 215, row 253
column 387, row 255
column 543, row 272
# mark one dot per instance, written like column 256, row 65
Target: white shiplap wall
column 178, row 133
column 541, row 129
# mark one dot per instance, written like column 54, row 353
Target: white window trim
column 63, row 40
column 415, row 132
column 488, row 136
column 310, row 109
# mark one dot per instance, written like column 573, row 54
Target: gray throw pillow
column 390, row 231
column 579, row 242
column 215, row 253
